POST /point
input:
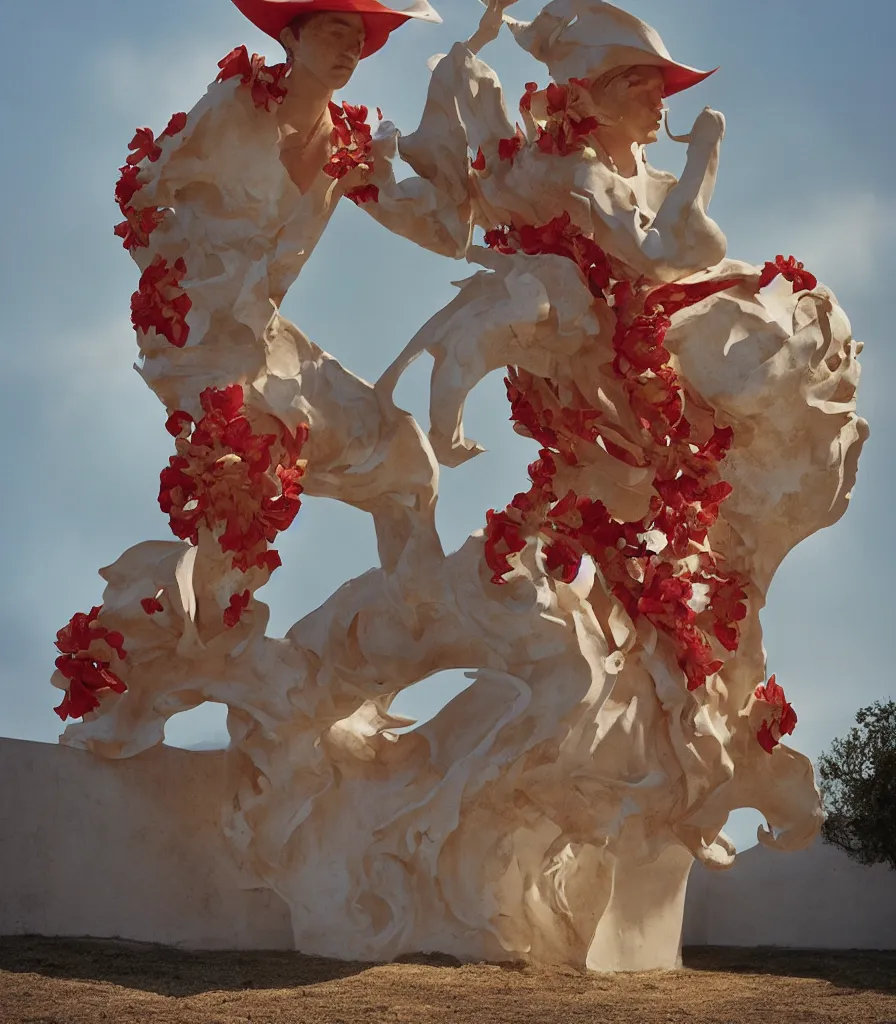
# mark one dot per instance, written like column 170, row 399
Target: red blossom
column 639, row 345
column 363, row 194
column 782, row 720
column 567, row 127
column 160, row 303
column 479, row 163
column 143, row 146
column 138, row 225
column 178, row 422
column 695, row 657
column 269, row 560
column 176, row 125
column 152, row 605
column 791, row 271
column 499, row 240
column 85, row 665
column 563, row 560
column 559, row 237
column 236, row 62
column 229, row 478
column 265, row 83
column 728, row 608
column 508, row 148
column 128, row 185
column 526, row 98
column 503, row 537
column 352, row 139
column 238, row 604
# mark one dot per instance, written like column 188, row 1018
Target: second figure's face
column 632, row 102
column 329, row 45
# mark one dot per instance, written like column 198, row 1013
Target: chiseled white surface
column 129, row 849
column 815, row 899
column 554, row 809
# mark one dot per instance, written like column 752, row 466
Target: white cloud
column 848, row 238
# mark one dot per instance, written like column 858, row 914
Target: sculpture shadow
column 176, row 973
column 166, row 971
column 857, row 969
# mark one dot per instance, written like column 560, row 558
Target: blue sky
column 807, row 168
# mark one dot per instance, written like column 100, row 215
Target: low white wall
column 133, row 849
column 815, row 899
column 129, row 849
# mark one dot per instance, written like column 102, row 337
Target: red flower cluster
column 160, row 303
column 782, row 720
column 138, row 225
column 152, row 605
column 791, row 271
column 566, row 129
column 86, row 651
column 559, row 237
column 662, row 588
column 353, row 140
column 226, row 478
column 363, row 194
column 238, row 604
column 265, row 83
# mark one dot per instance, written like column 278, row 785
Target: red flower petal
column 176, row 125
column 363, row 194
column 766, row 740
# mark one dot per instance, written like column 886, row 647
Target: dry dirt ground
column 46, row 981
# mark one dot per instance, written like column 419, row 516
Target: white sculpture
column 695, row 418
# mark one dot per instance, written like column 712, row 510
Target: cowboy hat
column 273, row 16
column 587, row 38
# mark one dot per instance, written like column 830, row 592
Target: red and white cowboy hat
column 587, row 38
column 273, row 16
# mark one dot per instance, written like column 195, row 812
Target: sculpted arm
column 464, row 110
column 433, row 212
column 682, row 238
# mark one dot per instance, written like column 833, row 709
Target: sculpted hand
column 490, row 25
column 709, row 128
column 385, row 141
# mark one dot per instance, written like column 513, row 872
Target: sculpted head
column 629, row 102
column 327, row 44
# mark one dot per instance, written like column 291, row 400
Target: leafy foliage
column 858, row 784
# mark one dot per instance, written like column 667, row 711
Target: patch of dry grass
column 55, row 981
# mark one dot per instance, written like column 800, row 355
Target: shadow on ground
column 857, row 969
column 178, row 973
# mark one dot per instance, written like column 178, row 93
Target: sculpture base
column 133, row 849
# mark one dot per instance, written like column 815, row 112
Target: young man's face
column 329, row 45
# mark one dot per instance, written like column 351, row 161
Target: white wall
column 133, row 849
column 130, row 849
column 816, row 899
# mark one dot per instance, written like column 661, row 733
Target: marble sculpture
column 693, row 418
